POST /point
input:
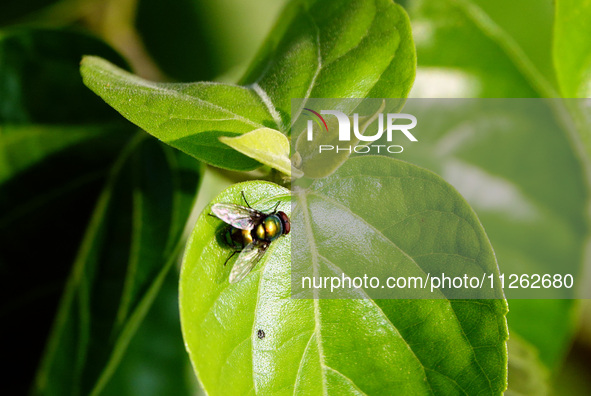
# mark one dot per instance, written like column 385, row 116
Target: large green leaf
column 251, row 337
column 130, row 245
column 335, row 49
column 57, row 143
column 500, row 38
column 490, row 53
column 529, row 45
column 356, row 48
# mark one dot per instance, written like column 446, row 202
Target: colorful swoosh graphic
column 319, row 116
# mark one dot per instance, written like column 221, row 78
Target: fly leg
column 230, row 256
column 276, row 206
column 244, row 198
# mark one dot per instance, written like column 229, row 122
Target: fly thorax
column 272, row 227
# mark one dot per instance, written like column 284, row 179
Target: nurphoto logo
column 360, row 134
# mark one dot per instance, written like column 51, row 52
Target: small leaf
column 252, row 337
column 267, row 146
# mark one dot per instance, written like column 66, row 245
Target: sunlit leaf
column 253, row 337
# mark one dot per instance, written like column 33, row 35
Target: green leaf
column 456, row 72
column 330, row 346
column 153, row 368
column 528, row 47
column 335, row 49
column 483, row 59
column 23, row 147
column 39, row 81
column 130, row 245
column 268, row 146
column 190, row 117
column 532, row 208
column 57, row 143
column 44, row 107
column 329, row 49
column 572, row 49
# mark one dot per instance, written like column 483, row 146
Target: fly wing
column 247, row 259
column 235, row 215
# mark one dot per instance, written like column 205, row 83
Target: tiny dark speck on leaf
column 261, row 334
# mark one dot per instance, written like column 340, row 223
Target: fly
column 251, row 233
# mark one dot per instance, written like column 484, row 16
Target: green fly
column 251, row 233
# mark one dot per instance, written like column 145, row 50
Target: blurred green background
column 61, row 140
column 58, row 142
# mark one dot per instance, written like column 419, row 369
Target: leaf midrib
column 315, row 255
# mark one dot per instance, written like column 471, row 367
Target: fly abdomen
column 237, row 238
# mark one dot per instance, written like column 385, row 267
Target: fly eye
column 285, row 221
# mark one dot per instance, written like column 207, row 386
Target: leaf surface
column 190, row 117
column 268, row 146
column 252, row 337
column 332, row 49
